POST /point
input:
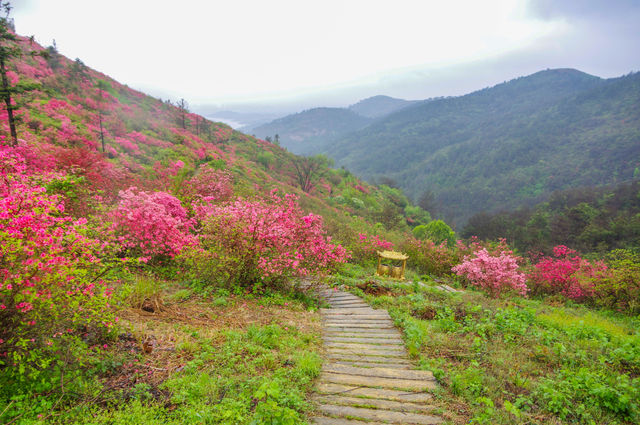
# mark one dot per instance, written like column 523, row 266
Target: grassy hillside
column 153, row 144
column 505, row 146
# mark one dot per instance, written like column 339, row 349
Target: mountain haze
column 308, row 131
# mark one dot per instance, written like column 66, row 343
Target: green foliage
column 419, row 232
column 265, row 159
column 619, row 288
column 438, row 231
column 587, row 219
column 416, row 215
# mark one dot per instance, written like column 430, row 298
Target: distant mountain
column 307, row 132
column 505, row 146
column 379, row 106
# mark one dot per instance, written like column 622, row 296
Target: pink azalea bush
column 363, row 248
column 48, row 290
column 151, row 225
column 210, row 185
column 495, row 272
column 565, row 273
column 247, row 241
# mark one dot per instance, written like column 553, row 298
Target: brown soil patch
column 425, row 313
column 160, row 343
column 372, row 287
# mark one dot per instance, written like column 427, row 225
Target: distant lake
column 232, row 123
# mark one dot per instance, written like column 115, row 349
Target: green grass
column 519, row 361
column 249, row 360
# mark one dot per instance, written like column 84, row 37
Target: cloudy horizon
column 289, row 55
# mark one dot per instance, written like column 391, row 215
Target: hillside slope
column 505, row 146
column 109, row 137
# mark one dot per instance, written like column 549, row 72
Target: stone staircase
column 367, row 377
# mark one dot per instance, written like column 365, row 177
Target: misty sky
column 294, row 54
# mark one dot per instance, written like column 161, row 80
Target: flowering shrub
column 364, row 247
column 565, row 273
column 151, row 225
column 619, row 287
column 430, row 258
column 247, row 241
column 47, row 294
column 210, row 185
column 494, row 272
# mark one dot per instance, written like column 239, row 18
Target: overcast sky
column 294, row 54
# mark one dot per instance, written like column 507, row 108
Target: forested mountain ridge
column 307, row 132
column 505, row 146
column 379, row 106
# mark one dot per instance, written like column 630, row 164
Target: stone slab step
column 341, row 301
column 381, row 324
column 349, row 304
column 359, row 315
column 342, row 296
column 345, row 299
column 366, row 352
column 377, row 341
column 363, row 333
column 369, row 381
column 356, row 317
column 325, row 420
column 379, row 415
column 358, row 310
column 376, row 324
column 369, row 359
column 364, row 346
column 388, row 325
column 381, row 372
column 370, row 364
column 374, row 403
column 335, row 300
column 379, row 393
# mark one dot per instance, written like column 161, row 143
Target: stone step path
column 367, row 378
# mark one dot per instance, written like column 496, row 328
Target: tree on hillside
column 102, row 87
column 183, row 106
column 427, row 202
column 78, row 71
column 309, row 169
column 52, row 56
column 198, row 125
column 7, row 51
